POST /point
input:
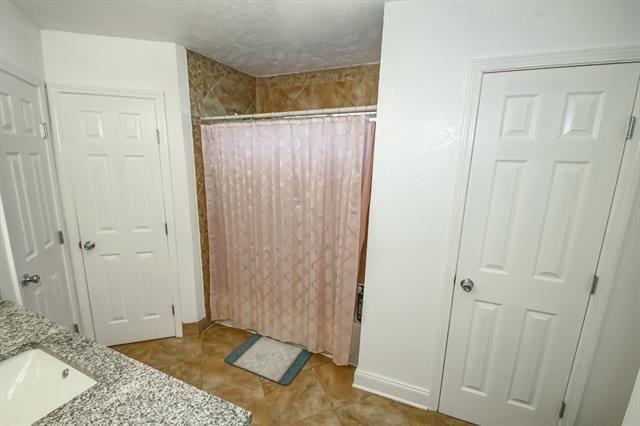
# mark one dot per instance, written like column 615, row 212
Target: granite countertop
column 127, row 392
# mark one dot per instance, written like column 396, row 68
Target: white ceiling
column 260, row 37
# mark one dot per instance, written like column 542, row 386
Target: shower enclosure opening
column 287, row 208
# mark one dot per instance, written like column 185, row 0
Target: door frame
column 63, row 161
column 628, row 181
column 24, row 75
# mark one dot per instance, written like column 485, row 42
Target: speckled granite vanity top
column 127, row 392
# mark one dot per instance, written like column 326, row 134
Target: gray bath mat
column 269, row 358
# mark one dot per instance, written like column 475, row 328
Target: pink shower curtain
column 284, row 212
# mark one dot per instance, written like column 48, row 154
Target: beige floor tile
column 219, row 349
column 217, row 373
column 222, row 333
column 243, row 396
column 372, row 411
column 261, row 413
column 327, row 418
column 138, row 351
column 302, row 398
column 336, row 382
column 221, row 341
column 175, row 350
column 318, row 359
column 321, row 394
column 181, row 345
column 188, row 373
column 452, row 421
column 417, row 416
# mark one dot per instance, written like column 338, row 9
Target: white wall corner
column 416, row 158
column 20, row 42
column 398, row 391
column 195, row 311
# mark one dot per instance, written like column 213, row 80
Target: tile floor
column 320, row 395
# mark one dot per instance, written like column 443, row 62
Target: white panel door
column 111, row 144
column 27, row 186
column 546, row 155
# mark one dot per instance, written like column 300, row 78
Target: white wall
column 113, row 62
column 426, row 48
column 20, row 40
column 21, row 48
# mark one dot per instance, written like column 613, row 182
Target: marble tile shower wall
column 332, row 88
column 216, row 89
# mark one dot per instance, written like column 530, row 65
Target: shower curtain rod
column 309, row 113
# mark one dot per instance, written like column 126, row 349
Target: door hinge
column 44, row 131
column 563, row 407
column 61, row 237
column 75, row 328
column 594, row 284
column 158, row 136
column 173, row 310
column 631, row 128
column 166, row 229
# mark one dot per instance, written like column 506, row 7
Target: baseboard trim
column 392, row 389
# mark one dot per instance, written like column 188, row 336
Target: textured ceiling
column 258, row 37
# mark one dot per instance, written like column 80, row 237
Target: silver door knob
column 466, row 284
column 89, row 245
column 28, row 279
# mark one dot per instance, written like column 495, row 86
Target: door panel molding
column 555, row 240
column 11, row 274
column 55, row 91
column 53, row 223
column 628, row 180
column 627, row 187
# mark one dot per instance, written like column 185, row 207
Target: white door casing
column 546, row 155
column 27, row 186
column 111, row 146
